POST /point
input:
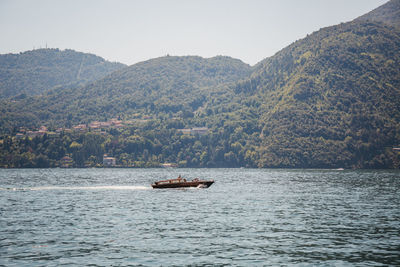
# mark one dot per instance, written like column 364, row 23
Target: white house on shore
column 109, row 161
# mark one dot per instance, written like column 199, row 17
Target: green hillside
column 159, row 95
column 167, row 86
column 331, row 99
column 34, row 72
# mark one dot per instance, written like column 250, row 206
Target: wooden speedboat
column 181, row 183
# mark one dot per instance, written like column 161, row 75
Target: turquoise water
column 103, row 217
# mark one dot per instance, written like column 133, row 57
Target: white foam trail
column 100, row 187
column 11, row 189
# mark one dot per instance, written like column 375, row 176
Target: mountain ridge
column 36, row 71
column 327, row 85
column 329, row 100
column 167, row 84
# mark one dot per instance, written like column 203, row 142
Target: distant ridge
column 34, row 72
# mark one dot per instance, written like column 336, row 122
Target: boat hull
column 203, row 184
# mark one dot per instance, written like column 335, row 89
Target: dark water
column 103, row 217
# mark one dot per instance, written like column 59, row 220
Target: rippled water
column 103, row 217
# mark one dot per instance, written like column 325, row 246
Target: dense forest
column 330, row 100
column 34, row 72
column 166, row 86
column 144, row 145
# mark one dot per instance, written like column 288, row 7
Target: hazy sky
column 137, row 30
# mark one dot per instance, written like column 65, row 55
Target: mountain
column 330, row 100
column 34, row 72
column 388, row 13
column 166, row 85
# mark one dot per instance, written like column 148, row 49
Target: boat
column 182, row 183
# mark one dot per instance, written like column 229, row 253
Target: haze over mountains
column 329, row 100
column 36, row 71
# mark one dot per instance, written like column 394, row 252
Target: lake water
column 249, row 217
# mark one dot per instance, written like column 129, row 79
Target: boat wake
column 100, row 187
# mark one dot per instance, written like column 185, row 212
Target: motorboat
column 182, row 183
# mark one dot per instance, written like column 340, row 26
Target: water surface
column 103, row 217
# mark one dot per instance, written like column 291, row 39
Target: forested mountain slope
column 166, row 86
column 331, row 99
column 33, row 72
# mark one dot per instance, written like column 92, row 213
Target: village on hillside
column 99, row 127
column 95, row 126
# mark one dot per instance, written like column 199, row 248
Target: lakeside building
column 185, row 131
column 80, row 128
column 109, row 161
column 169, row 165
column 42, row 131
column 66, row 162
column 33, row 134
column 194, row 131
column 200, row 130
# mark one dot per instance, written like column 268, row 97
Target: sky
column 137, row 30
